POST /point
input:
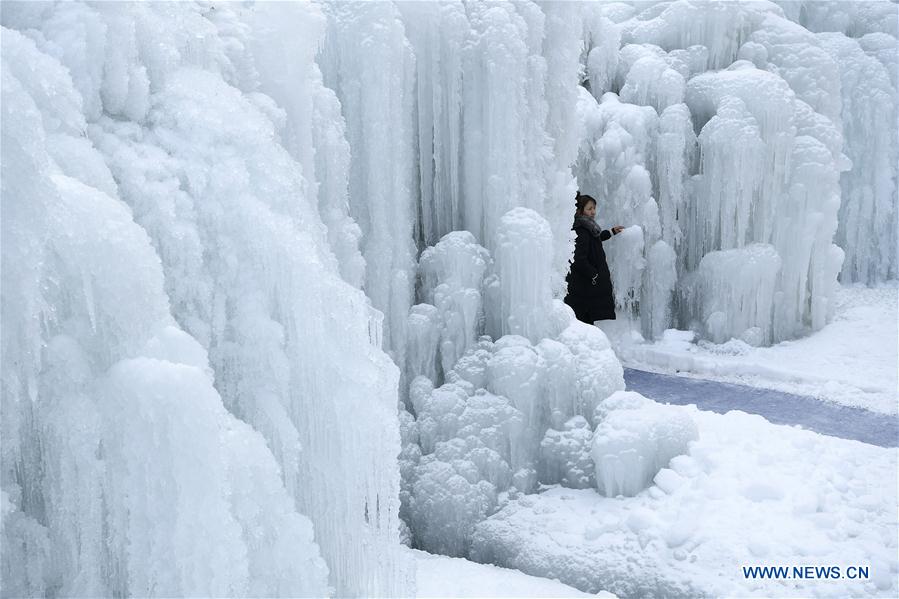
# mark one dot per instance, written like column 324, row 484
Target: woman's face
column 590, row 210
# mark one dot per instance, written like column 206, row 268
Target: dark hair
column 582, row 200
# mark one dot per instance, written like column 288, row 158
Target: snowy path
column 775, row 406
column 851, row 362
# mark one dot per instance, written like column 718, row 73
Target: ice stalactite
column 233, row 217
column 502, row 137
column 721, row 27
column 770, row 184
column 97, row 375
column 732, row 166
column 367, row 60
column 765, row 123
column 311, row 111
column 602, row 40
column 498, row 123
column 438, row 33
column 841, row 80
column 562, row 45
column 868, row 213
column 452, row 279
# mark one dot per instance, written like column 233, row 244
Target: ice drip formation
column 254, row 252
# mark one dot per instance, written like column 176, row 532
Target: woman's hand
column 617, row 229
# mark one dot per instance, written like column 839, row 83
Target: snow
column 440, row 576
column 711, row 512
column 852, row 361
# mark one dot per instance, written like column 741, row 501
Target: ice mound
column 745, row 277
column 598, row 371
column 452, row 276
column 636, row 438
column 484, row 426
column 448, row 500
column 565, row 455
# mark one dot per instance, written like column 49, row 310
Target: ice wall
column 304, row 174
column 726, row 124
column 122, row 472
column 367, row 61
column 184, row 120
column 503, row 136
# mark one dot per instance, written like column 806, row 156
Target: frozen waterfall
column 253, row 252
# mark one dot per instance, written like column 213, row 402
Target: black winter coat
column 590, row 292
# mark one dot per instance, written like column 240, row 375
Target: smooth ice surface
column 709, row 513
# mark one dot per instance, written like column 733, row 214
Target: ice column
column 868, row 213
column 438, row 33
column 561, row 49
column 676, row 153
column 367, row 61
column 500, row 126
column 523, row 263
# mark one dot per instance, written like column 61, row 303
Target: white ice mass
column 282, row 281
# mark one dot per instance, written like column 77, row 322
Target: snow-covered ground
column 851, row 361
column 749, row 493
column 441, row 576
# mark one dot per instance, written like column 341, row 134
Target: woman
column 589, row 282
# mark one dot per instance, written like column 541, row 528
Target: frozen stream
column 775, row 406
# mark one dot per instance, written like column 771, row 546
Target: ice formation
column 247, row 210
column 634, row 439
column 480, row 432
column 778, row 156
column 472, row 435
column 733, row 499
column 565, row 455
column 97, row 374
column 152, row 217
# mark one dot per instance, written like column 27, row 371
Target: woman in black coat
column 589, row 282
